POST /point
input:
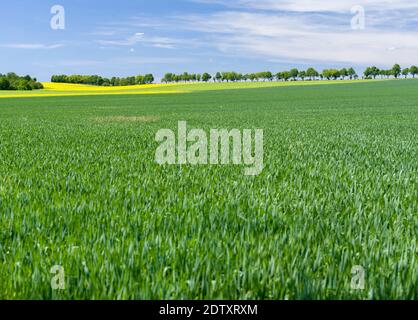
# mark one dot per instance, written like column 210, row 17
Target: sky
column 130, row 37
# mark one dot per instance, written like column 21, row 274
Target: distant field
column 62, row 89
column 79, row 187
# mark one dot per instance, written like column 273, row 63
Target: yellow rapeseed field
column 83, row 87
column 66, row 89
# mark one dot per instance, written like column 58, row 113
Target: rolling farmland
column 79, row 188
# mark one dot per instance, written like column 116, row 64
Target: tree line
column 396, row 72
column 186, row 77
column 12, row 81
column 100, row 81
column 291, row 75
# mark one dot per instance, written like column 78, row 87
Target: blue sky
column 129, row 37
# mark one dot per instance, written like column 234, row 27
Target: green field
column 79, row 187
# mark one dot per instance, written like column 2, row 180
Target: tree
column 368, row 72
column 343, row 73
column 206, row 77
column 185, row 77
column 123, row 82
column 11, row 76
column 326, row 74
column 100, row 81
column 302, row 75
column 396, row 70
column 352, row 73
column 286, row 75
column 312, row 73
column 268, row 75
column 331, row 74
column 371, row 72
column 218, row 77
column 131, row 81
column 231, row 76
column 382, row 73
column 37, row 85
column 252, row 77
column 23, row 84
column 335, row 74
column 148, row 78
column 385, row 73
column 405, row 72
column 114, row 81
column 375, row 72
column 294, row 73
column 225, row 76
column 168, row 77
column 4, row 84
column 12, row 81
column 414, row 71
column 139, row 79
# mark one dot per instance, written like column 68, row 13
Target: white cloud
column 314, row 5
column 131, row 41
column 32, row 46
column 140, row 38
column 304, row 38
column 68, row 63
column 163, row 46
column 301, row 31
column 148, row 60
column 162, row 42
